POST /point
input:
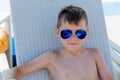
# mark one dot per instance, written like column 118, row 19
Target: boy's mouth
column 72, row 43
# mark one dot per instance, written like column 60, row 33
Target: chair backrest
column 34, row 22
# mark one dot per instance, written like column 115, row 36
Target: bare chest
column 81, row 69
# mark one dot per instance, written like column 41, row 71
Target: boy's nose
column 73, row 37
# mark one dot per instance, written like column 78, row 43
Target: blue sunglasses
column 81, row 34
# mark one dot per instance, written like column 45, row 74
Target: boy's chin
column 73, row 48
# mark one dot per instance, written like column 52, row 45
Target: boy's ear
column 57, row 31
column 88, row 30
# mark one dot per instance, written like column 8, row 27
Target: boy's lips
column 72, row 43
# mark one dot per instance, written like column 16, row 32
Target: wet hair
column 72, row 15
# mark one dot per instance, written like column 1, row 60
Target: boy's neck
column 72, row 53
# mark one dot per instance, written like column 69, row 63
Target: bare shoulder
column 94, row 53
column 47, row 54
column 51, row 55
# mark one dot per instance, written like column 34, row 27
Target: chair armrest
column 117, row 71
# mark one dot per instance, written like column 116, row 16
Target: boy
column 72, row 62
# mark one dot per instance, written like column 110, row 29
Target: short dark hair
column 71, row 14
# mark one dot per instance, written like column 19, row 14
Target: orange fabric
column 4, row 41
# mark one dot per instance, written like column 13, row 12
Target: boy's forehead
column 81, row 24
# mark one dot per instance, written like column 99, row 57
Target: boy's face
column 73, row 42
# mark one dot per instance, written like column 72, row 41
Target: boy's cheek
column 64, row 42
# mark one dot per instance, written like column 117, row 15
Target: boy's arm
column 102, row 67
column 29, row 67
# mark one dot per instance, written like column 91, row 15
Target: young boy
column 72, row 62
